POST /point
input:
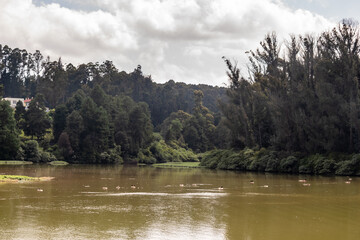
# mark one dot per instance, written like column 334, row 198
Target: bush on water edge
column 161, row 152
column 58, row 163
column 178, row 165
column 264, row 160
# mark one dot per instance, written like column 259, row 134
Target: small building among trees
column 13, row 101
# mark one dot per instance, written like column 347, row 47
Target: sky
column 183, row 40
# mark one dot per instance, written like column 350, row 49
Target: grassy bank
column 178, row 165
column 16, row 178
column 271, row 161
column 5, row 162
column 58, row 163
column 19, row 178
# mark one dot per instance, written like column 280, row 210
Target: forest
column 297, row 112
column 94, row 113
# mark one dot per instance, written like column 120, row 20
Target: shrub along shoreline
column 264, row 160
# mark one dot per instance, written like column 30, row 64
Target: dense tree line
column 94, row 113
column 303, row 97
column 92, row 127
column 266, row 160
column 197, row 130
column 26, row 74
column 299, row 110
column 98, row 128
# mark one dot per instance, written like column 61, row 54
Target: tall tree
column 96, row 129
column 307, row 101
column 199, row 129
column 9, row 139
column 36, row 119
column 20, row 114
column 59, row 121
column 53, row 83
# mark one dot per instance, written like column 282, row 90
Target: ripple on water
column 176, row 195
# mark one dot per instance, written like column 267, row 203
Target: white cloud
column 181, row 40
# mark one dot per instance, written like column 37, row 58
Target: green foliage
column 211, row 158
column 141, row 128
column 195, row 131
column 273, row 164
column 53, row 83
column 349, row 167
column 160, row 152
column 9, row 139
column 307, row 164
column 102, row 129
column 199, row 129
column 324, row 165
column 96, row 130
column 106, row 157
column 289, row 164
column 46, row 157
column 318, row 164
column 232, row 161
column 32, row 152
column 36, row 119
column 59, row 122
column 74, row 128
column 222, row 135
column 146, row 157
column 65, row 146
column 225, row 159
column 27, row 74
column 95, row 110
column 307, row 101
column 270, row 161
column 20, row 114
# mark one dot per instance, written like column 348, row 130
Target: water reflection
column 174, row 195
column 175, row 204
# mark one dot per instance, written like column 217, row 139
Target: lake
column 156, row 203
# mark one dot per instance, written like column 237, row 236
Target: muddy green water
column 75, row 206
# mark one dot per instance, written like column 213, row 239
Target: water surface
column 175, row 204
